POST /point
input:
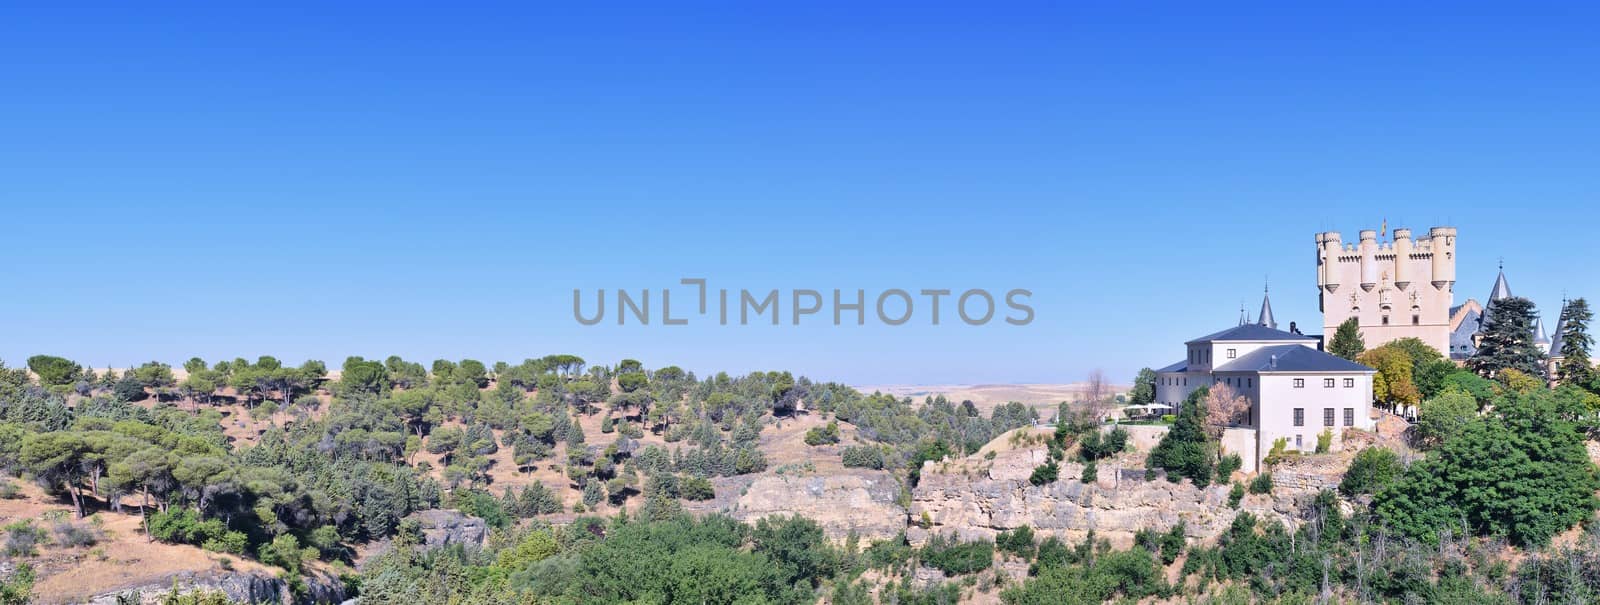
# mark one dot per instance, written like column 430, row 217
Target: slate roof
column 1181, row 366
column 1252, row 332
column 1291, row 358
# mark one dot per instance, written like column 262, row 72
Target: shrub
column 1090, row 473
column 863, row 456
column 68, row 534
column 1018, row 542
column 1235, row 495
column 1324, row 441
column 232, row 542
column 9, row 491
column 823, row 435
column 956, row 558
column 1262, row 484
column 1227, row 466
column 1373, row 468
column 696, row 488
column 1044, row 474
column 23, row 539
column 608, row 424
column 1169, row 418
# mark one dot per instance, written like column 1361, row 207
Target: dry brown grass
column 122, row 558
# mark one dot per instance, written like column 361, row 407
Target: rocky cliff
column 240, row 587
column 852, row 499
column 976, row 498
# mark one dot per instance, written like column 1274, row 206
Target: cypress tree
column 1575, row 368
column 1507, row 341
column 1347, row 341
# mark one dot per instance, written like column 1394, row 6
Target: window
column 1299, row 383
column 1250, row 383
column 1297, row 444
column 1386, row 320
column 1327, row 383
column 1416, row 320
column 1299, row 416
column 1327, row 416
column 1349, row 416
column 1232, row 353
column 1349, row 383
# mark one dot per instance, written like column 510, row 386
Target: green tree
column 1373, row 469
column 57, row 460
column 54, row 371
column 1144, row 387
column 1444, row 416
column 1186, row 449
column 1521, row 472
column 1576, row 367
column 1347, row 341
column 1507, row 341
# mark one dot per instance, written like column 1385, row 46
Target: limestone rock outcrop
column 863, row 501
column 980, row 498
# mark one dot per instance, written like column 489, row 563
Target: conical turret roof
column 1501, row 290
column 1266, row 318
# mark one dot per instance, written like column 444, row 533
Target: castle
column 1395, row 290
column 1406, row 288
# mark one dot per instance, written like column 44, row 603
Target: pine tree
column 1576, row 367
column 1347, row 341
column 1507, row 341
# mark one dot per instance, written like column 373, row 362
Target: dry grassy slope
column 122, row 559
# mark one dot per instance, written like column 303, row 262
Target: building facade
column 1404, row 288
column 1295, row 390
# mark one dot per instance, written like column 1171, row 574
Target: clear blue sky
column 432, row 181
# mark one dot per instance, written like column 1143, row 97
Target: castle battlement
column 1395, row 289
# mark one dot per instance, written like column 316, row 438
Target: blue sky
column 312, row 181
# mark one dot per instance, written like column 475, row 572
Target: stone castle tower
column 1394, row 289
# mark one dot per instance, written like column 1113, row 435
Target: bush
column 1235, row 495
column 1373, row 469
column 231, row 542
column 827, row 435
column 696, row 488
column 68, row 534
column 956, row 558
column 1324, row 441
column 1090, row 473
column 1044, row 474
column 1227, row 466
column 1262, row 484
column 23, row 539
column 1018, row 542
column 863, row 456
column 9, row 491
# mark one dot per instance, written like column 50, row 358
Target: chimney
column 1272, row 362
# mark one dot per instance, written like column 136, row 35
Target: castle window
column 1297, row 443
column 1299, row 383
column 1349, row 416
column 1416, row 320
column 1327, row 416
column 1349, row 383
column 1386, row 320
column 1233, row 353
column 1299, row 416
column 1327, row 383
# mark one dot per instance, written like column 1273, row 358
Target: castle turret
column 1369, row 260
column 1442, row 244
column 1402, row 255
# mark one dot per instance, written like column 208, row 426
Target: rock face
column 442, row 528
column 976, row 499
column 859, row 500
column 240, row 587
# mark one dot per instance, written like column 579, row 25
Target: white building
column 1296, row 391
